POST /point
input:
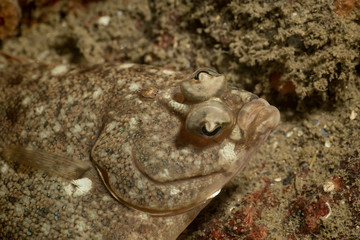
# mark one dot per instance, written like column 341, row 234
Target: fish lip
column 250, row 112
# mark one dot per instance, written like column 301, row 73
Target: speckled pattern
column 123, row 119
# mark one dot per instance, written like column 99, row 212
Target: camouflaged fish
column 119, row 151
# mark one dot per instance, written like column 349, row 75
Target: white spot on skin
column 69, row 149
column 4, row 168
column 39, row 110
column 143, row 216
column 23, row 133
column 19, row 210
column 111, row 126
column 227, row 153
column 197, row 162
column 80, row 226
column 26, row 101
column 97, row 93
column 120, row 81
column 58, row 70
column 70, row 99
column 134, row 87
column 68, row 189
column 164, row 173
column 159, row 80
column 57, row 127
column 174, row 191
column 82, row 186
column 106, row 198
column 76, row 129
column 44, row 134
column 160, row 154
column 168, row 72
column 132, row 123
column 45, row 228
column 127, row 148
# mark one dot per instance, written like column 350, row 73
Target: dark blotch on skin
column 15, row 79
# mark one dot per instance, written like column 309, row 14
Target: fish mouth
column 154, row 212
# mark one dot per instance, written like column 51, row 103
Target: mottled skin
column 147, row 164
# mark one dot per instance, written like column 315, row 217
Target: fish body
column 119, row 151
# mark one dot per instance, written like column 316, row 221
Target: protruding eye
column 208, row 71
column 209, row 119
column 202, row 85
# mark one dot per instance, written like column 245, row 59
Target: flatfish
column 119, row 151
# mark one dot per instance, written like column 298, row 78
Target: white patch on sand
column 126, row 65
column 104, row 20
column 58, row 70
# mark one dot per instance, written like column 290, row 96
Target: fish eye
column 209, row 119
column 202, row 85
column 207, row 71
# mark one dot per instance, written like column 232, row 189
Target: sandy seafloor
column 302, row 56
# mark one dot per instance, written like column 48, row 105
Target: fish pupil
column 210, row 134
column 197, row 75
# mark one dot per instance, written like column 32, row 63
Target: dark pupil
column 210, row 134
column 197, row 75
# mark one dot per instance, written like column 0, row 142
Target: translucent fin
column 49, row 163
